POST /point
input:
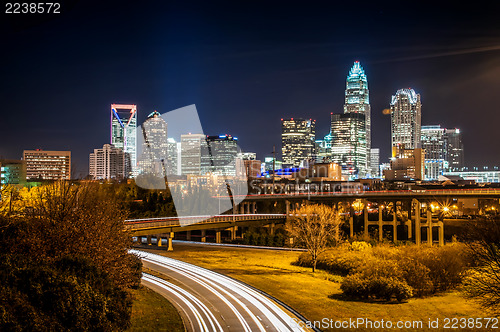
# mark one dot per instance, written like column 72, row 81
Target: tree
column 64, row 257
column 315, row 227
column 483, row 282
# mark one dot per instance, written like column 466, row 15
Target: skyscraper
column 154, row 157
column 297, row 141
column 432, row 141
column 108, row 163
column 349, row 144
column 220, row 154
column 123, row 132
column 357, row 100
column 375, row 162
column 191, row 150
column 406, row 119
column 453, row 149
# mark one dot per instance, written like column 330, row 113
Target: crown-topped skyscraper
column 357, row 100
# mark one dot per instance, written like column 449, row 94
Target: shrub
column 378, row 287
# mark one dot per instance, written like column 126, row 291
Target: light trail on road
column 214, row 302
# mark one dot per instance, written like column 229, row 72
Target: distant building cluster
column 418, row 152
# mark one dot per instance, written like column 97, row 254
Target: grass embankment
column 317, row 295
column 152, row 312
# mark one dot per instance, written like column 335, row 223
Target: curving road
column 209, row 301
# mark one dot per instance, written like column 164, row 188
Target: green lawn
column 317, row 295
column 152, row 312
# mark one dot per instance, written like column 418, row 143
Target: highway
column 209, row 301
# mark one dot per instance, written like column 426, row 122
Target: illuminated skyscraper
column 453, row 149
column 123, row 132
column 191, row 150
column 349, row 144
column 219, row 155
column 406, row 119
column 297, row 141
column 357, row 100
column 432, row 141
column 154, row 157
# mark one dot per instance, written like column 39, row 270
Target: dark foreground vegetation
column 64, row 262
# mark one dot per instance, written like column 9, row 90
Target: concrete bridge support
column 394, row 225
column 148, row 240
column 188, row 235
column 217, row 236
column 158, row 240
column 170, row 238
column 203, row 235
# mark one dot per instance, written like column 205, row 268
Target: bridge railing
column 132, row 224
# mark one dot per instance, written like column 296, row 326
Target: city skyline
column 244, row 77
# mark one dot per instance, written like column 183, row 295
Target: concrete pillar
column 254, row 207
column 203, row 235
column 351, row 226
column 271, row 228
column 188, row 235
column 233, row 232
column 429, row 227
column 365, row 219
column 395, row 224
column 287, row 204
column 441, row 233
column 170, row 238
column 418, row 230
column 217, row 236
column 149, row 240
column 158, row 240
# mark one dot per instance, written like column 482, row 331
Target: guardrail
column 190, row 220
column 415, row 192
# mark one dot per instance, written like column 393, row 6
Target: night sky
column 245, row 65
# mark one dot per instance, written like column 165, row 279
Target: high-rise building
column 374, row 162
column 406, row 119
column 191, row 150
column 432, row 142
column 357, row 100
column 12, row 172
column 174, row 158
column 154, row 157
column 453, row 149
column 108, row 163
column 47, row 165
column 297, row 141
column 349, row 144
column 324, row 149
column 123, row 132
column 219, row 156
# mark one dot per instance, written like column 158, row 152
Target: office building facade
column 357, row 100
column 453, row 149
column 123, row 133
column 406, row 119
column 219, row 155
column 108, row 163
column 154, row 156
column 349, row 144
column 47, row 165
column 297, row 141
column 432, row 141
column 191, row 150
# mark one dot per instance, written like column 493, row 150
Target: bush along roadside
column 394, row 272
